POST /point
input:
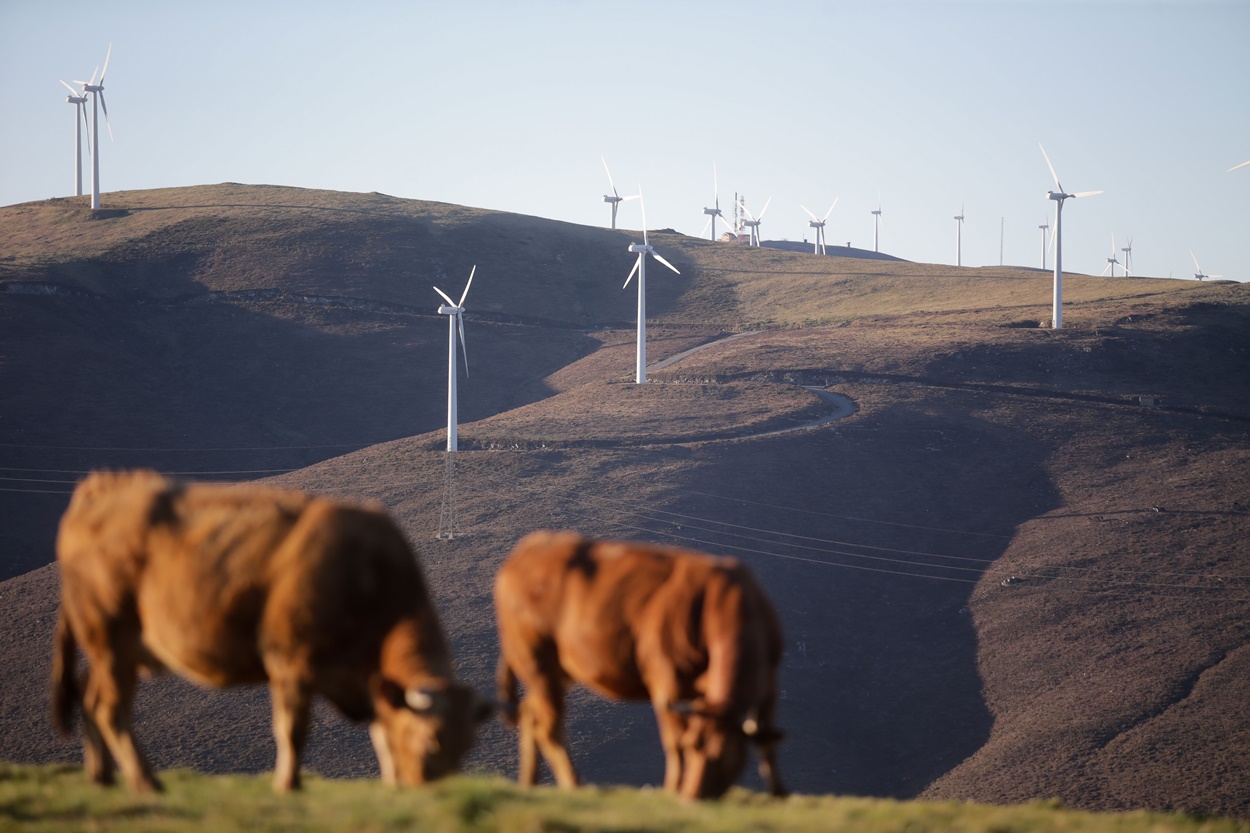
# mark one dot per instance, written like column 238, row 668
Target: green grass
column 58, row 798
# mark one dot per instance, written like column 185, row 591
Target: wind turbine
column 753, row 224
column 876, row 222
column 614, row 199
column 1044, row 227
column 455, row 321
column 714, row 211
column 640, row 267
column 1198, row 276
column 959, row 237
column 818, row 247
column 1059, row 195
column 1128, row 257
column 97, row 101
column 80, row 119
column 1112, row 262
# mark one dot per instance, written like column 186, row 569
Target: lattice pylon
column 448, row 518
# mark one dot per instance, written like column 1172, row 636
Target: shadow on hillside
column 870, row 540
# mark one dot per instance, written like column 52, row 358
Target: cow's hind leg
column 108, row 715
column 542, row 724
column 291, row 700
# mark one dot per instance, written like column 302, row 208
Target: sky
column 927, row 110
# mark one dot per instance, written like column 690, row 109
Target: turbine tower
column 1059, row 195
column 1043, row 227
column 1198, row 275
column 753, row 224
column 818, row 246
column 876, row 223
column 80, row 120
column 713, row 212
column 959, row 237
column 1112, row 261
column 455, row 321
column 1128, row 257
column 97, row 101
column 640, row 267
column 614, row 199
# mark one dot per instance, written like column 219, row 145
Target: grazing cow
column 692, row 633
column 231, row 585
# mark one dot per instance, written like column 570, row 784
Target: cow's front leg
column 542, row 723
column 672, row 727
column 107, row 710
column 290, row 728
column 382, row 746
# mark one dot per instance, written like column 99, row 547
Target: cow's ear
column 392, row 693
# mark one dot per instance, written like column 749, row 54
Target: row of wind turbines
column 78, row 98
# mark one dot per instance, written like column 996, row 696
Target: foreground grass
column 58, row 798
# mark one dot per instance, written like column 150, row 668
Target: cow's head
column 714, row 747
column 421, row 734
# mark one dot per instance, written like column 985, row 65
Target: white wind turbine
column 876, row 223
column 959, row 237
column 455, row 321
column 80, row 120
column 1198, row 275
column 1044, row 227
column 97, row 102
column 714, row 211
column 818, row 246
column 1112, row 261
column 1128, row 257
column 753, row 224
column 1059, row 195
column 614, row 199
column 640, row 267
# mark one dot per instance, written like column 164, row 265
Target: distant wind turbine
column 876, row 223
column 97, row 102
column 1059, row 195
column 1128, row 257
column 818, row 246
column 714, row 211
column 1198, row 275
column 1112, row 261
column 614, row 199
column 1044, row 227
column 753, row 224
column 80, row 121
column 640, row 267
column 959, row 237
column 455, row 321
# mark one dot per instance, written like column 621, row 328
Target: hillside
column 1017, row 570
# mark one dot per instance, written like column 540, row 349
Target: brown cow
column 231, row 585
column 692, row 633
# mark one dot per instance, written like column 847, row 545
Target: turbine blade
column 1053, row 175
column 747, row 211
column 71, row 89
column 106, row 64
column 631, row 197
column 610, row 183
column 82, row 111
column 1086, row 193
column 464, row 350
column 450, row 302
column 766, row 202
column 830, row 211
column 642, row 204
column 632, row 271
column 706, row 226
column 465, row 294
column 1195, row 259
column 105, row 108
column 665, row 262
column 809, row 214
column 1242, row 165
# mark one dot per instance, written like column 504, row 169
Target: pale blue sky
column 510, row 105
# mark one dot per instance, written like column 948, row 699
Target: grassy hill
column 1016, row 571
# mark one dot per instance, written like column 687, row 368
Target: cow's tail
column 507, row 691
column 65, row 693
